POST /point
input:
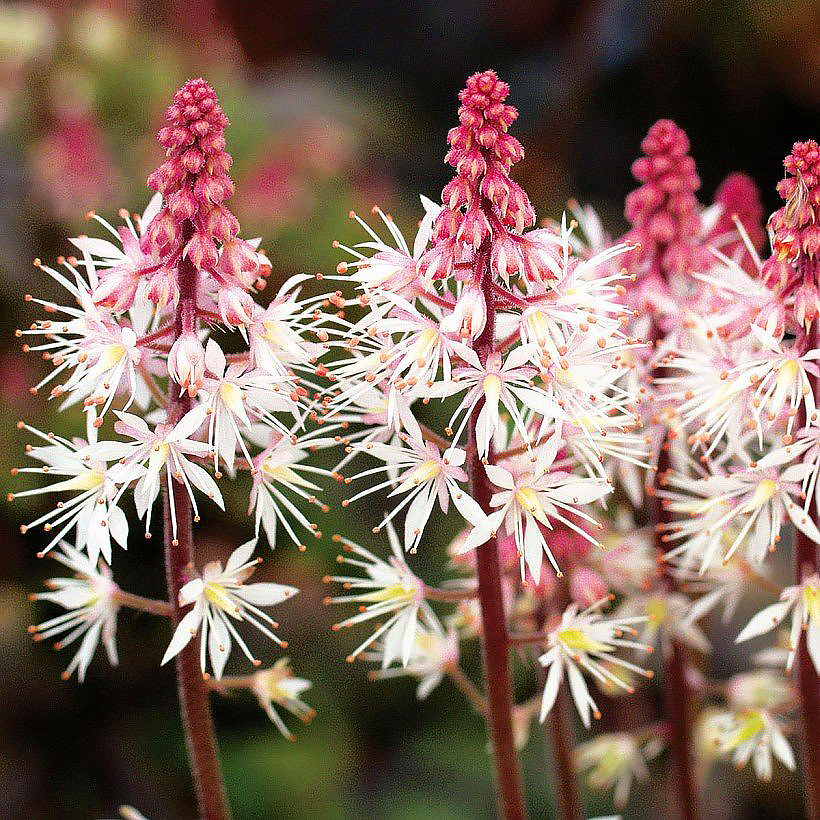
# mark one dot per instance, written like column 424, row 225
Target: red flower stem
column 494, row 637
column 562, row 744
column 808, row 683
column 677, row 694
column 179, row 557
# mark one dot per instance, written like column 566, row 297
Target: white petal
column 765, row 620
column 241, row 555
column 186, row 630
column 265, row 594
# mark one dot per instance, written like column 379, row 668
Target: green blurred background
column 333, row 105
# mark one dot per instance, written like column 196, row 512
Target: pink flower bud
column 186, row 362
column 163, row 287
column 235, row 306
column 239, row 261
column 201, row 250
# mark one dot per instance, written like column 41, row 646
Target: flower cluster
column 138, row 340
column 491, row 353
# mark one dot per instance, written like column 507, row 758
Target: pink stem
column 494, row 637
column 808, row 683
column 179, row 558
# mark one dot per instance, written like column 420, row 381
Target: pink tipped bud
column 806, row 304
column 186, row 362
column 235, row 306
column 163, row 288
column 506, row 258
column 202, row 252
column 239, row 261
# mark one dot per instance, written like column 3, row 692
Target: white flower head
column 91, row 610
column 433, row 652
column 615, row 760
column 803, row 601
column 756, row 735
column 423, row 475
column 586, row 642
column 278, row 686
column 92, row 508
column 390, row 590
column 221, row 599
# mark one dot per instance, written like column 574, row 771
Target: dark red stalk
column 179, row 557
column 560, row 734
column 677, row 693
column 808, row 683
column 562, row 744
column 495, row 638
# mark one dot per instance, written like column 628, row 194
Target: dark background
column 333, row 105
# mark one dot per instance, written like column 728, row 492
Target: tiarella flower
column 279, row 468
column 276, row 333
column 584, row 641
column 221, row 599
column 379, row 267
column 754, row 734
column 423, row 475
column 167, row 449
column 236, row 395
column 91, row 610
column 100, row 355
column 390, row 591
column 751, row 502
column 93, row 486
column 530, row 498
column 500, row 381
column 614, row 761
column 433, row 653
column 278, row 686
column 803, row 602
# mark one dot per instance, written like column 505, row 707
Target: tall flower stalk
column 521, row 332
column 139, row 336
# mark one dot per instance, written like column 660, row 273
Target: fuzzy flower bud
column 664, row 212
column 186, row 362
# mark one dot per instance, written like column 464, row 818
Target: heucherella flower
column 423, row 475
column 584, row 641
column 753, row 734
column 161, row 454
column 615, row 761
column 94, row 486
column 91, row 610
column 389, row 590
column 803, row 602
column 221, row 598
column 278, row 686
column 433, row 652
column 752, row 502
column 278, row 468
column 530, row 497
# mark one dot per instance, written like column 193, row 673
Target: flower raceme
column 137, row 341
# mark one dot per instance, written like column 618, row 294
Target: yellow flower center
column 764, row 492
column 578, row 639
